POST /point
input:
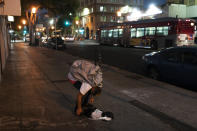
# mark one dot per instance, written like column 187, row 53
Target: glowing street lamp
column 52, row 27
column 24, row 22
column 19, row 27
column 77, row 22
column 33, row 10
column 51, row 22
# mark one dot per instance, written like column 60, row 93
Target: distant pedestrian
column 87, row 78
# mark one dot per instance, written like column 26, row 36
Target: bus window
column 150, row 31
column 140, row 32
column 115, row 33
column 165, row 29
column 110, row 33
column 102, row 33
column 105, row 33
column 120, row 31
column 133, row 32
column 162, row 31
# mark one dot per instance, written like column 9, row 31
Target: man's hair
column 96, row 91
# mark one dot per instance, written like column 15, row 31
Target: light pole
column 24, row 22
column 19, row 27
column 77, row 23
column 31, row 19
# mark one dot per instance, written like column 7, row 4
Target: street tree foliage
column 55, row 8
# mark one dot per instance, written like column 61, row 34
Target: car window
column 171, row 56
column 189, row 58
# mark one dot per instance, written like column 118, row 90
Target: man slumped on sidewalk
column 87, row 78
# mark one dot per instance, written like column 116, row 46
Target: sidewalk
column 35, row 95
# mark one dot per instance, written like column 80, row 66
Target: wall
column 178, row 10
column 4, row 48
column 191, row 11
column 11, row 7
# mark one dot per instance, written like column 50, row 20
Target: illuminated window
column 140, row 32
column 112, row 9
column 150, row 31
column 103, row 18
column 115, row 33
column 105, row 33
column 112, row 18
column 120, row 31
column 162, row 31
column 133, row 32
column 102, row 33
column 92, row 10
column 103, row 9
column 110, row 34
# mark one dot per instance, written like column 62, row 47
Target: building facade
column 94, row 13
column 7, row 8
column 180, row 9
column 185, row 2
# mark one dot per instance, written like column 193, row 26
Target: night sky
column 157, row 2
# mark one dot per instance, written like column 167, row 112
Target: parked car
column 27, row 38
column 176, row 64
column 60, row 43
column 69, row 39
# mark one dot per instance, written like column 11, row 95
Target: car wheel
column 154, row 73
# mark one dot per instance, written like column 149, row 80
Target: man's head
column 96, row 91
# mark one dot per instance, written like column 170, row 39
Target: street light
column 19, row 27
column 32, row 21
column 51, row 22
column 24, row 22
column 52, row 27
column 33, row 10
column 77, row 22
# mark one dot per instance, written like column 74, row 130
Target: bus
column 149, row 33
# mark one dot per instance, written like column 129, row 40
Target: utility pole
column 56, row 32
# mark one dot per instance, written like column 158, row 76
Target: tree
column 60, row 8
column 55, row 7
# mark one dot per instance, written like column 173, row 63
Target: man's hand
column 79, row 111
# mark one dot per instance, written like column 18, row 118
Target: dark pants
column 85, row 98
